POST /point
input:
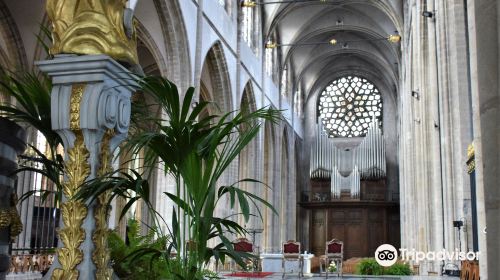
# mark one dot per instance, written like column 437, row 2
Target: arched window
column 284, row 82
column 247, row 26
column 269, row 61
column 348, row 105
column 226, row 5
column 297, row 102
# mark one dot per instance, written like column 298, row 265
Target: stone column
column 12, row 143
column 484, row 35
column 90, row 103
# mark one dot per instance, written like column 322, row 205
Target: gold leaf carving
column 101, row 255
column 77, row 91
column 91, row 27
column 73, row 212
column 66, row 275
column 9, row 218
column 470, row 151
column 471, row 159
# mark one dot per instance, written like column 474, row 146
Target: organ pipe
column 365, row 162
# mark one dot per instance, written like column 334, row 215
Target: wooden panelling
column 318, row 230
column 362, row 229
column 362, row 225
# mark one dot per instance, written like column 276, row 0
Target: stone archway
column 12, row 38
column 215, row 88
column 249, row 157
column 214, row 75
column 175, row 39
column 284, row 201
column 271, row 242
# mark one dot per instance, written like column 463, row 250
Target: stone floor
column 277, row 276
column 24, row 276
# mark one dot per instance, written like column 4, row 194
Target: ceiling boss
column 90, row 27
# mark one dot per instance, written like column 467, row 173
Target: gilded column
column 91, row 112
column 101, row 255
column 73, row 212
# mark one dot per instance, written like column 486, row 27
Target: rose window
column 348, row 105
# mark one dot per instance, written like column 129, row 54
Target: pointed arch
column 271, row 241
column 248, row 98
column 150, row 57
column 250, row 158
column 284, row 186
column 214, row 76
column 176, row 42
column 13, row 41
column 300, row 182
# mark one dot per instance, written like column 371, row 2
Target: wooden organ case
column 348, row 198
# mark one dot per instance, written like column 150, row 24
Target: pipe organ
column 345, row 168
column 352, row 183
column 348, row 195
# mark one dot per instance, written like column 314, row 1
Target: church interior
column 374, row 122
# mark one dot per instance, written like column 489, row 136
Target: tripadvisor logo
column 386, row 255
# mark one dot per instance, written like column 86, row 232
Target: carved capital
column 91, row 112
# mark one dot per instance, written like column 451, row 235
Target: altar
column 273, row 262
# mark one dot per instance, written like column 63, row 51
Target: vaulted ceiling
column 357, row 22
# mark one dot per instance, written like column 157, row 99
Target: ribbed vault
column 362, row 24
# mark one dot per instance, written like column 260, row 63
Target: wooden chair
column 465, row 271
column 291, row 252
column 243, row 245
column 475, row 270
column 334, row 251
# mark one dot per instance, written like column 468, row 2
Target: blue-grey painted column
column 90, row 103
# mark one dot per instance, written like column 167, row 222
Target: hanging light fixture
column 273, row 45
column 393, row 38
column 251, row 4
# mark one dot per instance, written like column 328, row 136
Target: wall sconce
column 415, row 94
column 394, row 38
column 458, row 224
column 428, row 14
column 270, row 45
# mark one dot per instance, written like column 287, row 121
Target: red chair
column 243, row 245
column 334, row 251
column 291, row 252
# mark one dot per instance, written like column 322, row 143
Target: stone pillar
column 90, row 103
column 484, row 34
column 12, row 143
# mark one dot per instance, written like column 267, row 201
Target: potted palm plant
column 196, row 150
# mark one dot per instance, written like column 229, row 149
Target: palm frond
column 32, row 103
